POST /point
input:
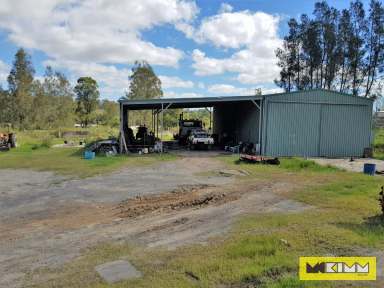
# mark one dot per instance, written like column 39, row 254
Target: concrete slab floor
column 116, row 271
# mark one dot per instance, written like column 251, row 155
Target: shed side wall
column 316, row 123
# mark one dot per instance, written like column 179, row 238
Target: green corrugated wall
column 316, row 123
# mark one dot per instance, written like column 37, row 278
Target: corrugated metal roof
column 184, row 102
column 211, row 101
column 321, row 91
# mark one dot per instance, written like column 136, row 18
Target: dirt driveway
column 46, row 220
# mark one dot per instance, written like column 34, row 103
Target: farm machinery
column 7, row 141
column 192, row 134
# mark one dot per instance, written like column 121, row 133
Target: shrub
column 46, row 142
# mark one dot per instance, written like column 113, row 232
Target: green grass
column 261, row 250
column 298, row 166
column 344, row 221
column 55, row 136
column 378, row 144
column 69, row 161
column 35, row 152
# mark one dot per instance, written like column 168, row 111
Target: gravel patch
column 346, row 164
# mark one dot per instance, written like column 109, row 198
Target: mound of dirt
column 232, row 172
column 185, row 196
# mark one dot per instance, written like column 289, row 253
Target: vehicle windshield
column 192, row 124
column 201, row 134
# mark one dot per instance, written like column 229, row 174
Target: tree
column 286, row 72
column 110, row 113
column 374, row 45
column 311, row 51
column 344, row 34
column 294, row 51
column 57, row 87
column 258, row 91
column 357, row 49
column 87, row 98
column 4, row 106
column 20, row 82
column 144, row 84
column 42, row 115
column 327, row 19
column 335, row 50
column 53, row 104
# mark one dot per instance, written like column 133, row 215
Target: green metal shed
column 317, row 123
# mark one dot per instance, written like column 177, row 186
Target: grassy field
column 35, row 152
column 378, row 144
column 69, row 161
column 262, row 250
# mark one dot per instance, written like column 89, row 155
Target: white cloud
column 234, row 30
column 272, row 90
column 191, row 95
column 186, row 28
column 169, row 94
column 4, row 72
column 226, row 89
column 253, row 35
column 174, row 82
column 101, row 31
column 89, row 37
column 225, row 7
column 172, row 94
column 201, row 85
column 112, row 81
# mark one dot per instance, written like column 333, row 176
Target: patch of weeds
column 276, row 272
column 250, row 281
column 300, row 164
column 251, row 247
column 292, row 281
column 192, row 276
column 378, row 146
column 344, row 190
column 35, row 146
column 45, row 143
column 372, row 228
column 287, row 164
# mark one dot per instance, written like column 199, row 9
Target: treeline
column 335, row 50
column 51, row 102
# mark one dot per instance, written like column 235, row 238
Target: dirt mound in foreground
column 185, row 196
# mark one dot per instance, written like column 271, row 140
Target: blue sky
column 197, row 48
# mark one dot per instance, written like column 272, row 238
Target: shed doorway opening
column 232, row 120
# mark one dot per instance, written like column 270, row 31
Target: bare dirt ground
column 355, row 166
column 46, row 220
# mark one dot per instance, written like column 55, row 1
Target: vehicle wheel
column 192, row 147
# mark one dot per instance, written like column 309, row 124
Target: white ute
column 200, row 139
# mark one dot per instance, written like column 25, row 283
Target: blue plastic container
column 89, row 155
column 369, row 169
